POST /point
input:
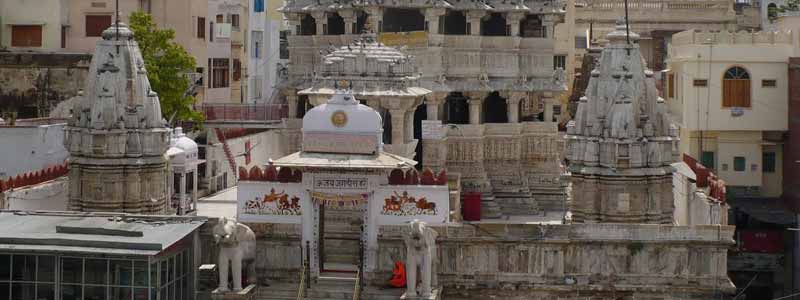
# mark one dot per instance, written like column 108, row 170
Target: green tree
column 167, row 64
column 791, row 5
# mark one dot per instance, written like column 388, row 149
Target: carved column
column 291, row 101
column 548, row 108
column 398, row 126
column 513, row 106
column 374, row 19
column 512, row 19
column 409, row 126
column 349, row 20
column 433, row 102
column 432, row 19
column 320, row 18
column 548, row 22
column 475, row 107
column 474, row 19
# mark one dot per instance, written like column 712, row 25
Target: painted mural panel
column 272, row 202
column 397, row 204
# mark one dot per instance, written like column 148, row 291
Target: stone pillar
column 548, row 108
column 432, row 18
column 320, row 18
column 194, row 190
column 513, row 106
column 349, row 20
column 398, row 126
column 433, row 102
column 475, row 107
column 548, row 23
column 474, row 19
column 374, row 19
column 291, row 101
column 513, row 19
column 409, row 126
column 181, row 196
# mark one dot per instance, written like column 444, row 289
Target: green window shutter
column 707, row 159
column 739, row 163
column 769, row 162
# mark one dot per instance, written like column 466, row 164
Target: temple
column 622, row 141
column 116, row 135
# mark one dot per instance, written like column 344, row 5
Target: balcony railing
column 244, row 112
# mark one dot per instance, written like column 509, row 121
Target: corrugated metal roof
column 93, row 232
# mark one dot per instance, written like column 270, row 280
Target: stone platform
column 247, row 293
column 436, row 294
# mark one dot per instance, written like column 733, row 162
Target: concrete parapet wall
column 726, row 37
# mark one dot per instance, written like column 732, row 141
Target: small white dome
column 343, row 114
column 181, row 142
column 2, row 122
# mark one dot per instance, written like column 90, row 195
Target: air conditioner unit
column 737, row 111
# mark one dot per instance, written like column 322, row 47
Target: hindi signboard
column 340, row 143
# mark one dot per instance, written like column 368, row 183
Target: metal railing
column 305, row 273
column 244, row 112
column 357, row 286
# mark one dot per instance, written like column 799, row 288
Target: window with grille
column 736, row 88
column 26, row 36
column 220, row 73
column 220, row 18
column 700, row 82
column 560, row 61
column 235, row 21
column 95, row 24
column 769, row 162
column 256, row 41
column 201, row 28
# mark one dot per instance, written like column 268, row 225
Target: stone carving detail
column 420, row 243
column 621, row 133
column 237, row 246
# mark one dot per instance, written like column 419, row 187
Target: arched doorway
column 495, row 109
column 455, row 23
column 308, row 26
column 302, row 105
column 456, row 109
column 531, row 26
column 403, row 20
column 387, row 126
column 361, row 20
column 421, row 113
column 335, row 24
column 495, row 25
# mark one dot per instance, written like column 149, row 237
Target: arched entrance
column 308, row 26
column 335, row 24
column 302, row 106
column 455, row 23
column 421, row 113
column 387, row 126
column 495, row 109
column 403, row 20
column 495, row 25
column 456, row 109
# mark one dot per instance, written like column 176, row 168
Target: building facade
column 24, row 25
column 729, row 93
column 492, row 79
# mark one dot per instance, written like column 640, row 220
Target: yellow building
column 729, row 93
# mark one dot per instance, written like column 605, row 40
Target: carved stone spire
column 117, row 136
column 621, row 143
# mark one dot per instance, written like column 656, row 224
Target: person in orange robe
column 398, row 275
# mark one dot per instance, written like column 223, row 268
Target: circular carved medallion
column 339, row 118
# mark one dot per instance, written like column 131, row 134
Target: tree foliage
column 790, row 5
column 167, row 64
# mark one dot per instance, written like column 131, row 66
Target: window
column 201, row 28
column 739, row 163
column 736, row 88
column 700, row 82
column 27, row 277
column 284, row 48
column 220, row 73
column 95, row 24
column 671, row 85
column 63, row 36
column 769, row 83
column 580, row 42
column 559, row 61
column 235, row 21
column 256, row 42
column 26, row 36
column 769, row 162
column 258, row 6
column 237, row 69
column 707, row 159
column 220, row 19
column 211, row 31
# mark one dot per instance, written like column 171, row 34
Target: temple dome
column 343, row 114
column 182, row 148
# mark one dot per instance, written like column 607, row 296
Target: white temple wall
column 49, row 195
column 31, row 148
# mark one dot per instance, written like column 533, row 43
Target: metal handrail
column 301, row 288
column 304, row 273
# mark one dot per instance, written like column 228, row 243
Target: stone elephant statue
column 237, row 248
